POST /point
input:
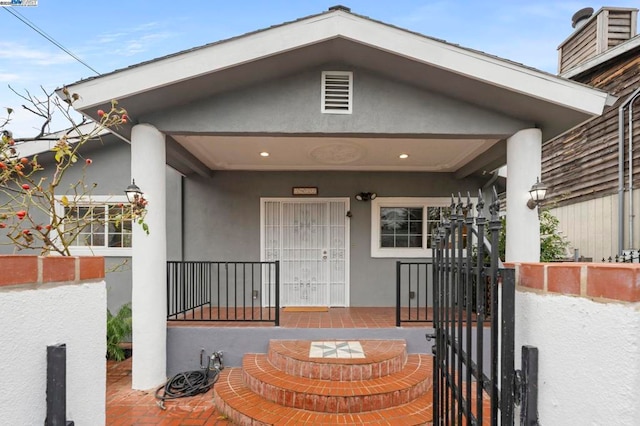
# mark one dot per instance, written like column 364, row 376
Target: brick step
column 244, row 407
column 383, row 357
column 334, row 396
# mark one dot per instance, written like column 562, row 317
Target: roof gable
column 339, row 35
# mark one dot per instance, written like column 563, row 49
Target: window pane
column 415, row 228
column 387, row 241
column 402, row 241
column 415, row 241
column 415, row 213
column 98, row 240
column 401, row 226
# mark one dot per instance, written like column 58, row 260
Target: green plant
column 119, row 327
column 553, row 246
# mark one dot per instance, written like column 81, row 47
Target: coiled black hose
column 186, row 384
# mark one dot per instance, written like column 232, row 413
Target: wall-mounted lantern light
column 133, row 192
column 537, row 192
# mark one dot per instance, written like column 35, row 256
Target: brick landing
column 329, row 383
column 127, row 407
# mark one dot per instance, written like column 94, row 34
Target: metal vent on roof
column 337, row 92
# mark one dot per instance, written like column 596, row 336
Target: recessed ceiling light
column 264, row 154
column 403, row 156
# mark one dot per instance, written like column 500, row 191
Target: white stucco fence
column 589, row 357
column 34, row 316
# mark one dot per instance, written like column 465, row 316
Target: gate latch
column 518, row 387
column 429, row 337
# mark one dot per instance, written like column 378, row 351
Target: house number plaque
column 305, row 190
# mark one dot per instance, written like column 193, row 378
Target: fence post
column 277, row 321
column 529, row 411
column 57, row 386
column 507, row 391
column 398, row 272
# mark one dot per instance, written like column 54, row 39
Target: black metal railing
column 631, row 256
column 414, row 292
column 223, row 291
column 475, row 381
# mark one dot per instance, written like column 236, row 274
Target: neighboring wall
column 585, row 321
column 222, row 216
column 592, row 226
column 48, row 301
column 583, row 163
column 608, row 28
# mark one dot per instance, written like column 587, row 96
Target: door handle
column 324, row 255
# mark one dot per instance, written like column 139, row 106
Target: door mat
column 306, row 309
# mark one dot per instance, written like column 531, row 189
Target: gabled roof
column 552, row 103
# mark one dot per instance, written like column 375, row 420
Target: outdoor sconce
column 366, row 196
column 537, row 192
column 133, row 192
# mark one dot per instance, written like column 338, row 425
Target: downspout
column 621, row 108
column 631, row 245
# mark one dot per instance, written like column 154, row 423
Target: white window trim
column 323, row 108
column 424, row 202
column 90, row 250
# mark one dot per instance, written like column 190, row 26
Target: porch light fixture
column 403, row 156
column 537, row 192
column 366, row 196
column 264, row 154
column 133, row 192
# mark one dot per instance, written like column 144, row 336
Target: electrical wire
column 34, row 27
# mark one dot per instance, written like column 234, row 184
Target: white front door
column 310, row 239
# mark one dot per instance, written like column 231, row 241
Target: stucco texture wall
column 222, row 217
column 30, row 320
column 292, row 104
column 589, row 358
column 110, row 171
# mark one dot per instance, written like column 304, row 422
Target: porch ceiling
column 333, row 152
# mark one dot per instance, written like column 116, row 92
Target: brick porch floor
column 125, row 406
column 130, row 407
column 366, row 317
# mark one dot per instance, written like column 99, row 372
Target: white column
column 149, row 261
column 524, row 152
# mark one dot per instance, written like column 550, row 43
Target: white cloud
column 17, row 54
column 7, row 77
column 131, row 41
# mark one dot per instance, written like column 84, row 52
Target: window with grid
column 98, row 226
column 404, row 227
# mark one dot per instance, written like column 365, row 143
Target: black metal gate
column 474, row 297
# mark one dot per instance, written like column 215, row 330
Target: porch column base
column 149, row 260
column 524, row 158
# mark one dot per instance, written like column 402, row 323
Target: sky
column 109, row 35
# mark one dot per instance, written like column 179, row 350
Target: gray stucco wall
column 111, row 171
column 292, row 105
column 222, row 217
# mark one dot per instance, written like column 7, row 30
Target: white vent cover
column 337, row 92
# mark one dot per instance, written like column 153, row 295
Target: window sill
column 102, row 251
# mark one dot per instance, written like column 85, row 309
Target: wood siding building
column 582, row 165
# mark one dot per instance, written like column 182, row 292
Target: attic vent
column 337, row 92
